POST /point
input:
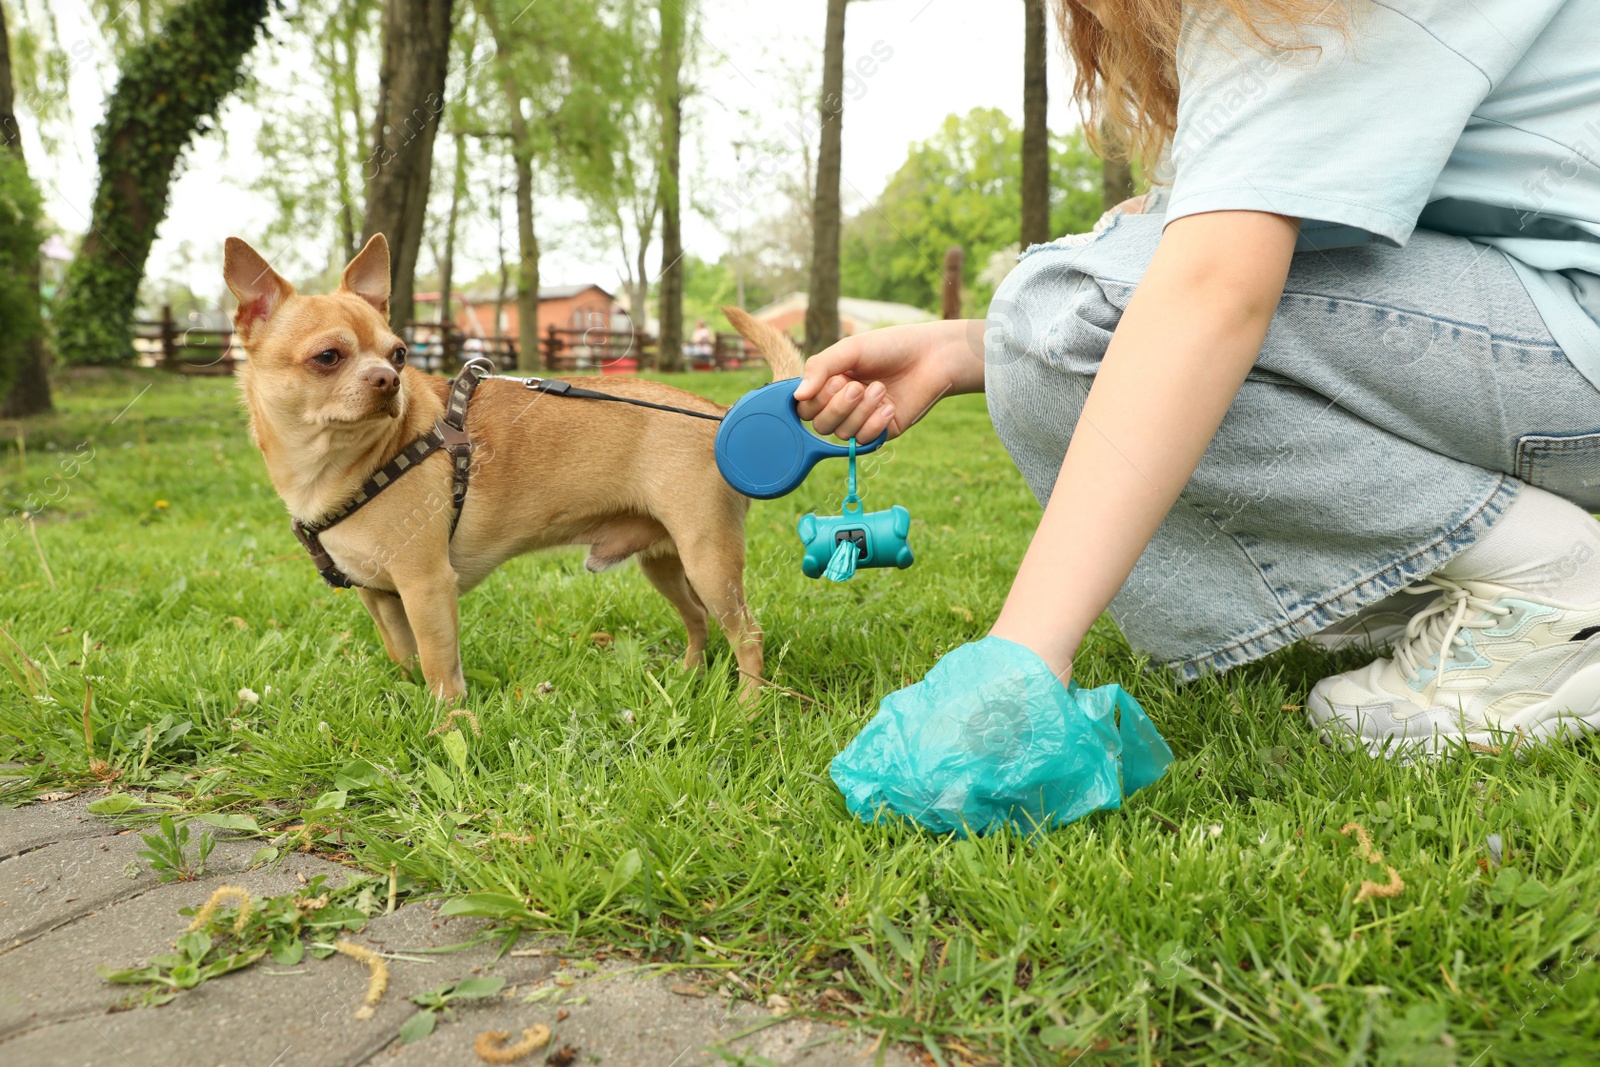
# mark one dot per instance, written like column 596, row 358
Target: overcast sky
column 926, row 59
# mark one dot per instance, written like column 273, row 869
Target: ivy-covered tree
column 24, row 380
column 169, row 90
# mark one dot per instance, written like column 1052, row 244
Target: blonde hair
column 1126, row 59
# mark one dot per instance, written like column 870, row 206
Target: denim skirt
column 1402, row 398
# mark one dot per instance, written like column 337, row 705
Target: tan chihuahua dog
column 331, row 401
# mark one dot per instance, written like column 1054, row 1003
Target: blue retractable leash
column 764, row 450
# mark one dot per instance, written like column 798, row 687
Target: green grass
column 1211, row 920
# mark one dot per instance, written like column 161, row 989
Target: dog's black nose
column 382, row 378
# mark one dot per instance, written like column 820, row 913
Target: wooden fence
column 167, row 344
column 189, row 350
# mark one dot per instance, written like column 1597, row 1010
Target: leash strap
column 556, row 387
column 449, row 433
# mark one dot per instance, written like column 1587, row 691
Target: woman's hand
column 888, row 379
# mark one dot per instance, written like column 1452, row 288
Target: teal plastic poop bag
column 990, row 737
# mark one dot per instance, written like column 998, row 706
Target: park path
column 73, row 896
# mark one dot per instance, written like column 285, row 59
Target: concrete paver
column 36, row 825
column 49, row 885
column 67, row 906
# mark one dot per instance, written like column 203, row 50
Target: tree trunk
column 822, row 308
column 447, row 264
column 528, row 350
column 416, row 56
column 1035, row 129
column 29, row 393
column 499, row 328
column 670, row 280
column 638, row 308
column 1116, row 176
column 169, row 88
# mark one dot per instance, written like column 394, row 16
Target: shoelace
column 1436, row 630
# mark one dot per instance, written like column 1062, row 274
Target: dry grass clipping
column 459, row 713
column 1369, row 888
column 223, row 892
column 1495, row 750
column 97, row 767
column 379, row 970
column 492, row 1045
column 304, row 833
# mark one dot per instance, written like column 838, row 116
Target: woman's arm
column 1190, row 334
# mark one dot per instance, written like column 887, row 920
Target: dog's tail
column 773, row 344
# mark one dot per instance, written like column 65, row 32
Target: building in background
column 566, row 307
column 855, row 315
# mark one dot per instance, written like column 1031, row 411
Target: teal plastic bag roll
column 990, row 738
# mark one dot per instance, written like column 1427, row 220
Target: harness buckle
column 479, row 367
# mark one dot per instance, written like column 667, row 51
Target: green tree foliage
column 19, row 250
column 313, row 142
column 170, row 87
column 562, row 79
column 963, row 186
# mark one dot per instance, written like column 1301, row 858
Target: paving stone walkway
column 73, row 896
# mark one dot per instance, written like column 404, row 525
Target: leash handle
column 764, row 448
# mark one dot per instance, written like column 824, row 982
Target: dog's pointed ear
column 260, row 289
column 367, row 276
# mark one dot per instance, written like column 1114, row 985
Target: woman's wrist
column 1044, row 637
column 961, row 348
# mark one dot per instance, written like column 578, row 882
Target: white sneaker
column 1516, row 668
column 1376, row 626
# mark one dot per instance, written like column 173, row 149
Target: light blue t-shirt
column 1479, row 118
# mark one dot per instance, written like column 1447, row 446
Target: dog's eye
column 398, row 357
column 327, row 358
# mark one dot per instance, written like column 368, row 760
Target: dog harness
column 449, row 433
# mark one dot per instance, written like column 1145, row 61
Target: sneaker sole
column 1572, row 710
